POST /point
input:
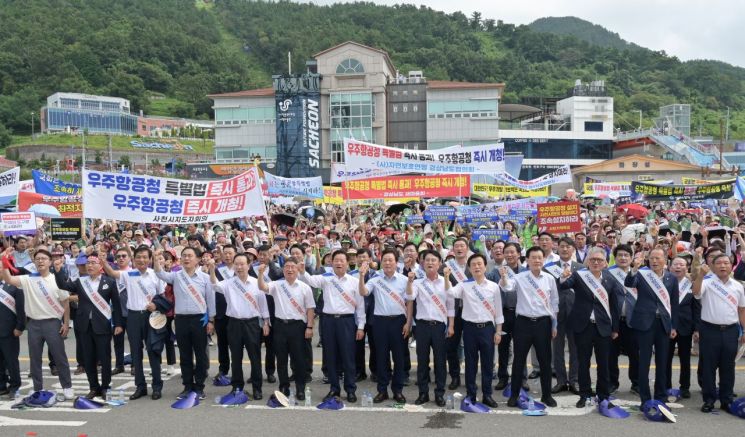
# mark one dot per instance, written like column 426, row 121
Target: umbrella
column 284, row 219
column 633, row 209
column 44, row 210
column 397, row 208
column 311, row 212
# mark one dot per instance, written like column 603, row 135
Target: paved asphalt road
column 145, row 417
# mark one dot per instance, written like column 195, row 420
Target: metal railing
column 553, row 126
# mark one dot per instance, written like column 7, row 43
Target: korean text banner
column 487, row 159
column 507, row 190
column 722, row 190
column 65, row 229
column 68, row 206
column 50, row 186
column 437, row 213
column 342, row 172
column 561, row 175
column 332, row 196
column 18, row 223
column 490, row 234
column 9, row 184
column 408, row 186
column 150, row 199
column 305, row 187
column 559, row 217
column 611, row 189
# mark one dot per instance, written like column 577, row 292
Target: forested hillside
column 185, row 50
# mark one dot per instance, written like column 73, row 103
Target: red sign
column 68, row 206
column 390, row 187
column 559, row 217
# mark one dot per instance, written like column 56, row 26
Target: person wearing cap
column 223, row 271
column 272, row 273
column 48, row 311
column 654, row 319
column 294, row 318
column 121, row 258
column 392, row 323
column 343, row 306
column 21, row 254
column 195, row 317
column 482, row 325
column 689, row 315
column 722, row 316
column 98, row 310
column 142, row 286
column 12, row 325
column 248, row 321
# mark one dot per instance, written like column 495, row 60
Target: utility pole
column 32, row 125
column 111, row 155
column 726, row 134
column 721, row 144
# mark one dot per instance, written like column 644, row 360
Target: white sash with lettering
column 555, row 269
column 433, row 297
column 655, row 283
column 526, row 280
column 684, row 288
column 597, row 289
column 95, row 297
column 723, row 293
column 392, row 294
column 246, row 294
column 344, row 295
column 225, row 272
column 477, row 291
column 456, row 270
column 620, row 276
column 55, row 306
column 8, row 300
column 293, row 302
column 192, row 291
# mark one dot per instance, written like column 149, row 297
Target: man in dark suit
column 689, row 316
column 12, row 324
column 564, row 381
column 98, row 309
column 654, row 319
column 593, row 321
column 273, row 273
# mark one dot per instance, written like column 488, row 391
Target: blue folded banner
column 490, row 234
column 49, row 186
column 415, row 220
column 438, row 213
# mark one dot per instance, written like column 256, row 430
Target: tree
column 99, row 157
column 5, row 136
column 124, row 161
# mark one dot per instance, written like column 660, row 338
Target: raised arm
column 362, row 288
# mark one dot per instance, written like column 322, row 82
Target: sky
column 688, row 29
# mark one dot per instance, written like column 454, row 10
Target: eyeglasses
column 121, row 256
column 597, row 260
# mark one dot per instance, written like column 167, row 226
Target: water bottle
column 308, row 401
column 218, row 399
column 18, row 397
column 531, row 404
column 292, row 399
column 369, row 399
column 450, row 402
column 363, row 402
column 121, row 395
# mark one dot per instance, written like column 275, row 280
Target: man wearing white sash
column 434, row 318
column 195, row 317
column 535, row 324
column 459, row 273
column 626, row 340
column 141, row 286
column 689, row 318
column 392, row 326
column 48, row 311
column 12, row 325
column 98, row 309
column 248, row 321
column 654, row 319
column 722, row 309
column 593, row 321
column 482, row 326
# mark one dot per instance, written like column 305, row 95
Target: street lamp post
column 32, row 125
column 640, row 117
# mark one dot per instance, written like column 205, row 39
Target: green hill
column 582, row 30
column 184, row 50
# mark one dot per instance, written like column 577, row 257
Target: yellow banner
column 694, row 181
column 331, row 195
column 507, row 190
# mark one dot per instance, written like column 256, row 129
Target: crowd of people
column 359, row 277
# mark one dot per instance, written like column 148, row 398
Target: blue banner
column 49, row 186
column 415, row 220
column 438, row 213
column 490, row 234
column 298, row 125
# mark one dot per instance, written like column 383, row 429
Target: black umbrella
column 397, row 208
column 284, row 219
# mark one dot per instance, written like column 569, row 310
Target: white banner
column 18, row 223
column 342, row 172
column 559, row 176
column 150, row 199
column 486, row 159
column 612, row 190
column 27, row 185
column 9, row 184
column 305, row 187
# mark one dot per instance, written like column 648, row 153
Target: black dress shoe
column 440, row 401
column 54, row 371
column 454, row 383
column 685, row 393
column 558, row 388
column 361, row 377
column 707, row 408
column 351, row 397
column 156, row 395
column 201, row 395
column 399, row 398
column 300, row 396
column 422, row 399
column 331, row 394
column 285, row 391
column 501, row 384
column 573, row 389
column 79, row 370
column 534, row 374
column 548, row 401
column 634, row 389
column 526, row 387
column 91, row 394
column 140, row 392
column 613, row 389
column 325, row 380
column 582, row 402
column 102, row 394
column 117, row 370
column 271, row 379
column 489, row 402
column 5, row 391
column 308, row 379
column 184, row 394
column 257, row 395
column 512, row 401
column 380, row 397
column 725, row 406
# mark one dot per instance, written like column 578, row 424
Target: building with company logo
column 71, row 112
column 363, row 96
